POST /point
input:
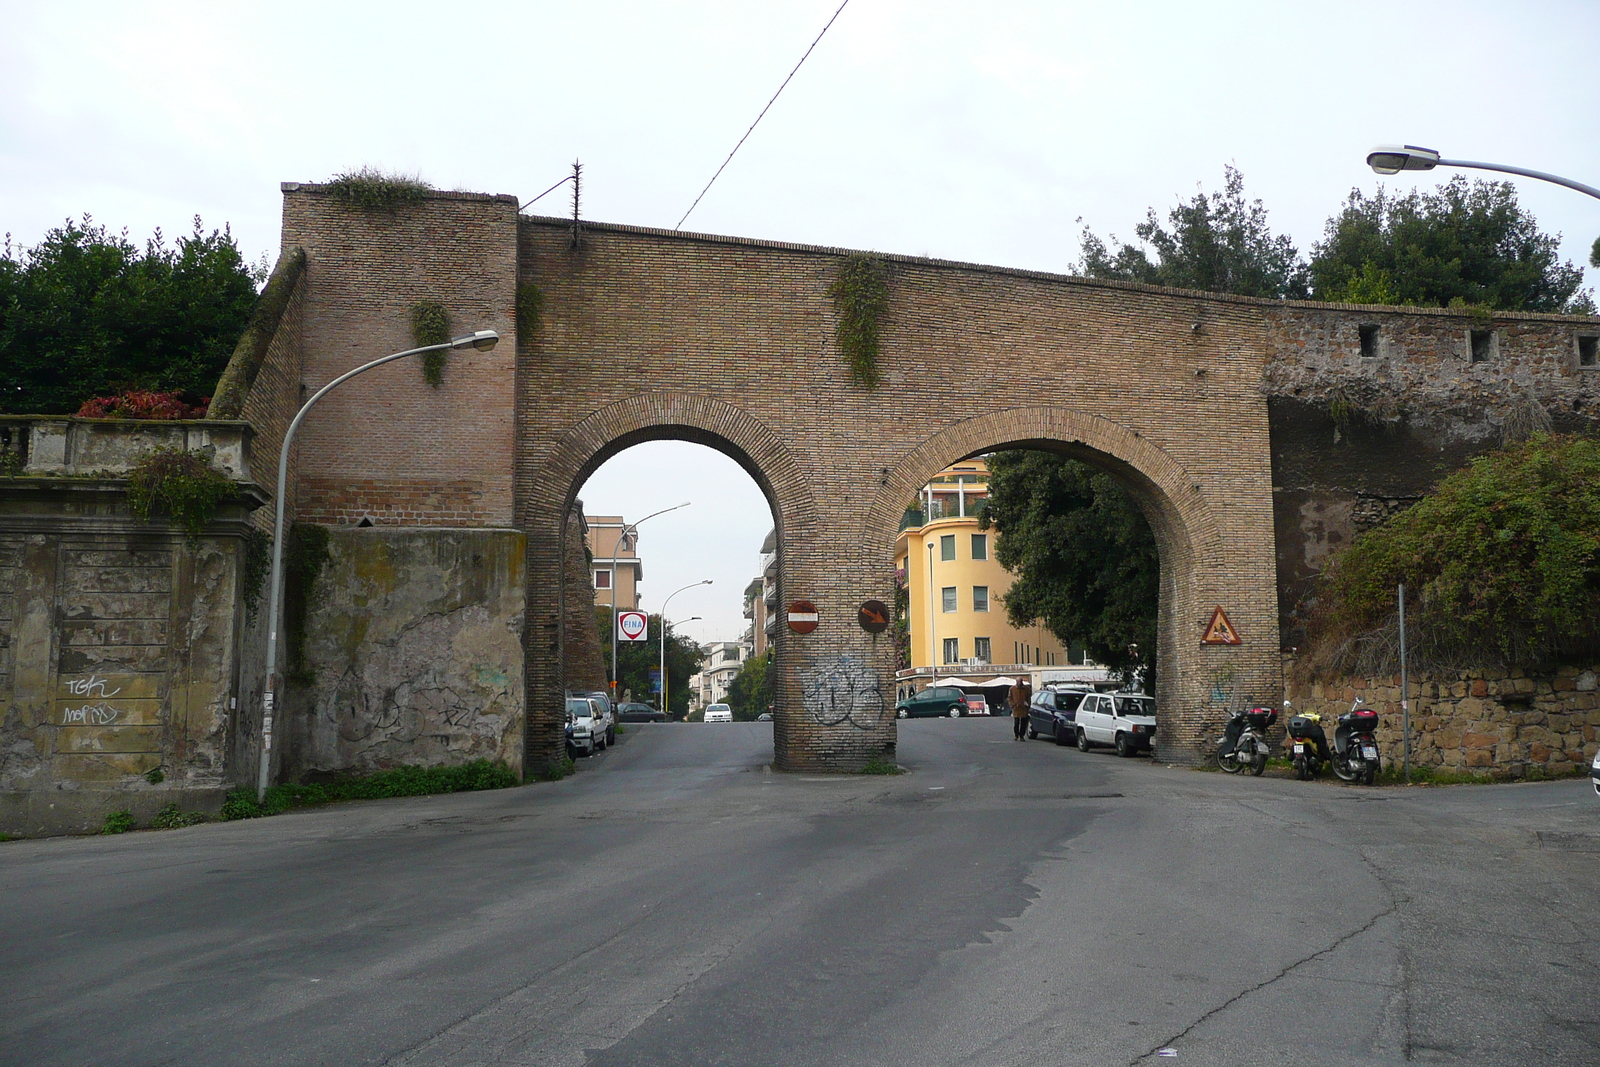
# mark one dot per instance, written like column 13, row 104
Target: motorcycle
column 1355, row 745
column 1307, row 744
column 1244, row 741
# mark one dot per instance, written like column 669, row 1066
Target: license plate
column 1369, row 751
column 1299, row 749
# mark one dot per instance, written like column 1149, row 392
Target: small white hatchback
column 719, row 713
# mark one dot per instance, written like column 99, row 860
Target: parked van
column 719, row 713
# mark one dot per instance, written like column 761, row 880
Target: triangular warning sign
column 1220, row 631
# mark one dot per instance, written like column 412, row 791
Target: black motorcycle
column 1243, row 743
column 1355, row 745
column 1307, row 744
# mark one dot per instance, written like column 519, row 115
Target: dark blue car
column 1054, row 712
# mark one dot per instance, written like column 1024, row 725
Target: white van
column 719, row 713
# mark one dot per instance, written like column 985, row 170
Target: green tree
column 751, row 691
column 85, row 313
column 1218, row 243
column 636, row 659
column 1501, row 563
column 1083, row 555
column 1464, row 243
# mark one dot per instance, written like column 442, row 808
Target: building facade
column 954, row 587
column 615, row 549
column 719, row 666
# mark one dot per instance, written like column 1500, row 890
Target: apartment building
column 615, row 551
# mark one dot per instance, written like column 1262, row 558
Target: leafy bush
column 879, row 765
column 170, row 818
column 181, row 483
column 374, row 190
column 118, row 822
column 144, row 404
column 1501, row 564
column 86, row 313
column 400, row 782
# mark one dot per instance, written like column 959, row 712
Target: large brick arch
column 1186, row 528
column 578, row 453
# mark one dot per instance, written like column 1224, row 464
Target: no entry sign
column 802, row 616
column 633, row 625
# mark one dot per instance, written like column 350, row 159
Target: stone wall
column 1507, row 725
column 413, row 645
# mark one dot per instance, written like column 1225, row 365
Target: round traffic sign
column 873, row 616
column 802, row 616
column 633, row 625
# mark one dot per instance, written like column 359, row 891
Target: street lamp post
column 1394, row 158
column 691, row 618
column 621, row 537
column 664, row 604
column 482, row 340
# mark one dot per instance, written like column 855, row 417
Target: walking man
column 1020, row 696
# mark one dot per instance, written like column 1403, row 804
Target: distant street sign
column 873, row 617
column 802, row 616
column 633, row 626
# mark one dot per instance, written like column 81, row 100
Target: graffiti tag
column 847, row 691
column 101, row 714
column 92, row 686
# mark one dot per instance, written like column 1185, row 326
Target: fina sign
column 633, row 626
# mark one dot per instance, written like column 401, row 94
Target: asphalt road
column 677, row 903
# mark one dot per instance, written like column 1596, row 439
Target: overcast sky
column 971, row 131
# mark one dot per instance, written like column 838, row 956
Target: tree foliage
column 85, row 313
column 1218, row 243
column 636, row 659
column 1501, row 563
column 1464, row 243
column 751, row 691
column 1083, row 555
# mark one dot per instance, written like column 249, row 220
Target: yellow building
column 614, row 546
column 956, row 615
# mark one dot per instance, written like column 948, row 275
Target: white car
column 1594, row 774
column 719, row 713
column 1124, row 720
column 586, row 725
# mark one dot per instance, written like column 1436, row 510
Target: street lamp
column 483, row 341
column 691, row 618
column 663, row 613
column 1393, row 158
column 621, row 537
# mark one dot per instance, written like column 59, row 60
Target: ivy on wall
column 430, row 325
column 860, row 293
column 180, row 483
column 530, row 309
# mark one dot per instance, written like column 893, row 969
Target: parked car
column 586, row 726
column 640, row 713
column 934, row 700
column 765, row 716
column 1126, row 721
column 1594, row 773
column 977, row 704
column 1054, row 713
column 608, row 713
column 719, row 713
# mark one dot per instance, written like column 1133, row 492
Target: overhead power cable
column 759, row 117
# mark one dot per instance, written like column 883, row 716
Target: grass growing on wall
column 860, row 293
column 371, row 189
column 400, row 782
column 180, row 483
column 530, row 310
column 430, row 325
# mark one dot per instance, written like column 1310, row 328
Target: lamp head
column 1394, row 158
column 482, row 340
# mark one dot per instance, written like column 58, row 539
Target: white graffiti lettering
column 101, row 714
column 846, row 692
column 92, row 686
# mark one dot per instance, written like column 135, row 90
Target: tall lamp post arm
column 482, row 340
column 621, row 537
column 1394, row 158
column 1525, row 172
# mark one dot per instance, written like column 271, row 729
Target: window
column 602, row 579
column 730, row 654
column 980, row 546
column 980, row 648
column 947, row 546
column 952, row 649
column 1369, row 340
column 980, row 598
column 948, row 596
column 1589, row 351
column 1482, row 345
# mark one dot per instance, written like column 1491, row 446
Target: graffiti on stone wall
column 101, row 714
column 846, row 691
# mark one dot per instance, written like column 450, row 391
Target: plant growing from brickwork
column 254, row 566
column 860, row 293
column 399, row 782
column 371, row 189
column 530, row 309
column 180, row 483
column 430, row 325
column 117, row 822
column 1501, row 564
column 305, row 555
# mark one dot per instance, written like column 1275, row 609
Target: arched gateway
column 623, row 335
